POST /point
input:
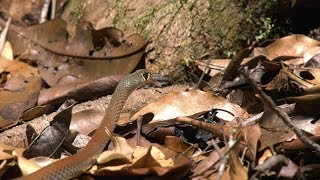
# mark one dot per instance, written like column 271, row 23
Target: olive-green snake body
column 76, row 164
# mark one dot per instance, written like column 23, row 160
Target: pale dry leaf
column 3, row 154
column 297, row 45
column 122, row 150
column 266, row 154
column 177, row 104
column 7, row 53
column 26, row 166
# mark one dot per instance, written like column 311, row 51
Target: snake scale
column 76, row 164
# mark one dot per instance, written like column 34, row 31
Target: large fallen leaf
column 79, row 91
column 273, row 130
column 295, row 45
column 306, row 104
column 86, row 121
column 177, row 104
column 48, row 142
column 61, row 52
column 249, row 136
column 20, row 90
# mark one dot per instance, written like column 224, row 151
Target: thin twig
column 284, row 116
column 222, row 157
column 44, row 11
column 4, row 35
column 139, row 122
column 225, row 154
column 53, row 9
column 204, row 71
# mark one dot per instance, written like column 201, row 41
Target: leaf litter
column 228, row 131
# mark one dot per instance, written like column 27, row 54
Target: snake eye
column 146, row 75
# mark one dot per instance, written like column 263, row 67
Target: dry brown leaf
column 208, row 162
column 306, row 104
column 307, row 123
column 61, row 52
column 26, row 166
column 5, row 152
column 86, row 121
column 294, row 45
column 236, row 170
column 266, row 154
column 36, row 112
column 14, row 103
column 250, row 136
column 278, row 164
column 273, row 130
column 7, row 53
column 79, row 91
column 148, row 161
column 177, row 104
column 298, row 144
column 121, row 150
column 178, row 145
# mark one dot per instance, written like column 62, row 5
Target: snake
column 74, row 165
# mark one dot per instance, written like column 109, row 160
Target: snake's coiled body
column 74, row 165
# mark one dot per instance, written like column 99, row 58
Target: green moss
column 121, row 12
column 142, row 21
column 77, row 11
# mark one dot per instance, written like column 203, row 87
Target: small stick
column 204, row 71
column 44, row 11
column 284, row 116
column 3, row 35
column 139, row 122
column 222, row 157
column 225, row 154
column 53, row 9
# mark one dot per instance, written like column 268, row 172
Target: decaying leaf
column 295, row 45
column 5, row 152
column 177, row 104
column 18, row 97
column 150, row 161
column 26, row 166
column 62, row 53
column 176, row 144
column 121, row 151
column 280, row 164
column 50, row 139
column 79, row 91
column 208, row 162
column 35, row 112
column 236, row 170
column 86, row 121
column 273, row 130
